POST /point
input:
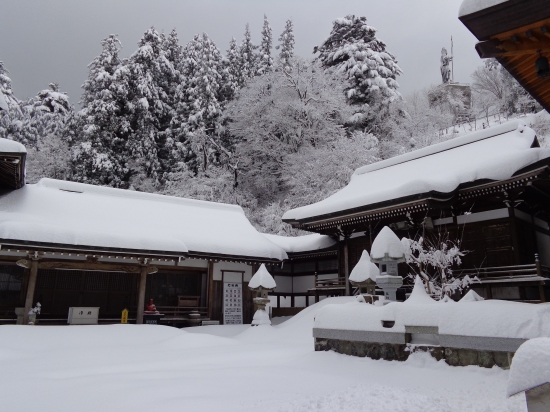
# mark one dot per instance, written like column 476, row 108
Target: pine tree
column 353, row 49
column 248, row 57
column 286, row 44
column 233, row 79
column 154, row 80
column 102, row 128
column 202, row 95
column 11, row 122
column 265, row 64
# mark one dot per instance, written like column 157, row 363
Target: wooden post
column 30, row 290
column 210, row 276
column 346, row 266
column 539, row 273
column 141, row 294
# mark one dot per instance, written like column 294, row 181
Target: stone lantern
column 262, row 283
column 364, row 276
column 387, row 250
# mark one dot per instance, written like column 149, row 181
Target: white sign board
column 83, row 316
column 232, row 303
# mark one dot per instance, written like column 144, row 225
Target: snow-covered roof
column 10, row 146
column 3, row 103
column 364, row 270
column 387, row 243
column 68, row 213
column 262, row 278
column 495, row 153
column 472, row 6
column 488, row 318
column 530, row 366
column 304, row 243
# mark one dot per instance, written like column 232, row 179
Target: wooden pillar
column 210, row 276
column 539, row 273
column 141, row 295
column 346, row 266
column 30, row 290
column 514, row 233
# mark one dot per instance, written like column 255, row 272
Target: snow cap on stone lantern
column 387, row 247
column 364, row 270
column 387, row 250
column 262, row 279
column 262, row 282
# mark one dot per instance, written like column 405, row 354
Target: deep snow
column 226, row 368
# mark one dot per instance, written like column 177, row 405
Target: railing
column 523, row 272
column 181, row 311
column 333, row 283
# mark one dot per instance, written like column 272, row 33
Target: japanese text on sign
column 232, row 304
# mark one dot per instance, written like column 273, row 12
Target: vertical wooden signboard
column 232, row 303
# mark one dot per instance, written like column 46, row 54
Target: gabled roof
column 492, row 154
column 67, row 214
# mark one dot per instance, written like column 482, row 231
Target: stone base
column 401, row 352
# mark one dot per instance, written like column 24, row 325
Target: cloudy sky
column 43, row 41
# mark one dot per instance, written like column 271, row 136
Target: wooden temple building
column 490, row 190
column 67, row 244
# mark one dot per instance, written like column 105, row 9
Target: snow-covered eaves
column 10, row 146
column 493, row 154
column 64, row 214
column 301, row 244
column 473, row 6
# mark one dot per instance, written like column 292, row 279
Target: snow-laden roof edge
column 132, row 194
column 304, row 243
column 472, row 6
column 443, row 146
column 11, row 146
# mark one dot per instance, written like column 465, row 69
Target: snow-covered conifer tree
column 353, row 49
column 103, row 126
column 265, row 63
column 248, row 56
column 11, row 122
column 286, row 44
column 201, row 93
column 233, row 78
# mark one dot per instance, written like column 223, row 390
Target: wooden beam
column 30, row 290
column 508, row 48
column 88, row 265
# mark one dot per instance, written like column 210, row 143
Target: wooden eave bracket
column 514, row 47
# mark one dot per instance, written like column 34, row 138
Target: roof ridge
column 443, row 146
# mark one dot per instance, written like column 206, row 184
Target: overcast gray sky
column 43, row 41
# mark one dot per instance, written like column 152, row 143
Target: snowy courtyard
column 230, row 368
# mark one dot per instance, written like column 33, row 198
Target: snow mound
column 419, row 294
column 387, row 243
column 262, row 278
column 471, row 296
column 530, row 367
column 364, row 269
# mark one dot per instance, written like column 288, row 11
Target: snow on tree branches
column 353, row 49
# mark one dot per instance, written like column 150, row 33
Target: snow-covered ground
column 226, row 368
